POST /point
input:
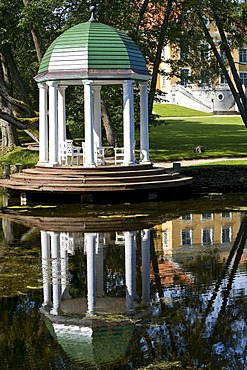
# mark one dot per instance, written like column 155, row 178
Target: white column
column 145, row 242
column 56, row 271
column 45, row 248
column 43, row 125
column 144, row 132
column 61, row 114
column 130, row 270
column 91, row 272
column 53, row 129
column 88, row 114
column 97, row 115
column 128, row 123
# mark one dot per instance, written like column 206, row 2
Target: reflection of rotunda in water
column 88, row 250
column 78, row 302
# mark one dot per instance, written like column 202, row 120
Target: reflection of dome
column 100, row 345
column 92, row 50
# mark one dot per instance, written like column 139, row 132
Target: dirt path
column 197, row 161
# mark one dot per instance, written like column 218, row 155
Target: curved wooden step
column 102, row 179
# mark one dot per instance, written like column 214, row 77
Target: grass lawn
column 173, row 110
column 176, row 138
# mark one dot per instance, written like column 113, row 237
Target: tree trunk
column 16, row 75
column 242, row 104
column 110, row 134
column 37, row 40
column 4, row 136
column 236, row 78
column 9, row 133
column 158, row 55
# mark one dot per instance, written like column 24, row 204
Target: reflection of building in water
column 56, row 249
column 193, row 230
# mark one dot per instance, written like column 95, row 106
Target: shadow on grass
column 179, row 137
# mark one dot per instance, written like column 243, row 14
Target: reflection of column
column 91, row 272
column 56, row 288
column 100, row 268
column 130, row 270
column 145, row 266
column 63, row 259
column 45, row 248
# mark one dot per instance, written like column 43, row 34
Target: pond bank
column 218, row 178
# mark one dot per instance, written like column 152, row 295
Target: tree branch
column 27, row 111
column 21, row 124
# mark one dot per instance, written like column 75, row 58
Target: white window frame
column 209, row 231
column 242, row 54
column 183, row 81
column 222, row 79
column 243, row 78
column 187, row 217
column 207, row 216
column 165, row 238
column 187, row 241
column 230, row 234
column 226, row 215
column 163, row 80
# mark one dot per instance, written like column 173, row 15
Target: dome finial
column 92, row 10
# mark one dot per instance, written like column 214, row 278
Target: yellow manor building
column 190, row 232
column 207, row 95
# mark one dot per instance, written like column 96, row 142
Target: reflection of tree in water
column 204, row 326
column 114, row 271
column 25, row 341
column 78, row 274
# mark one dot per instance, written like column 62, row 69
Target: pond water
column 86, row 287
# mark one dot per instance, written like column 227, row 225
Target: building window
column 187, row 217
column 163, row 53
column 223, row 54
column 207, row 236
column 243, row 78
column 205, row 77
column 226, row 215
column 207, row 216
column 205, row 52
column 242, row 55
column 223, row 80
column 184, row 51
column 165, row 239
column 163, row 80
column 186, row 237
column 226, row 235
column 184, row 73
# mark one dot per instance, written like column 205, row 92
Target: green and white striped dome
column 92, row 50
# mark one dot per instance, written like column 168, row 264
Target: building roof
column 92, row 50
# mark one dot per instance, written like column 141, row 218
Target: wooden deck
column 97, row 182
